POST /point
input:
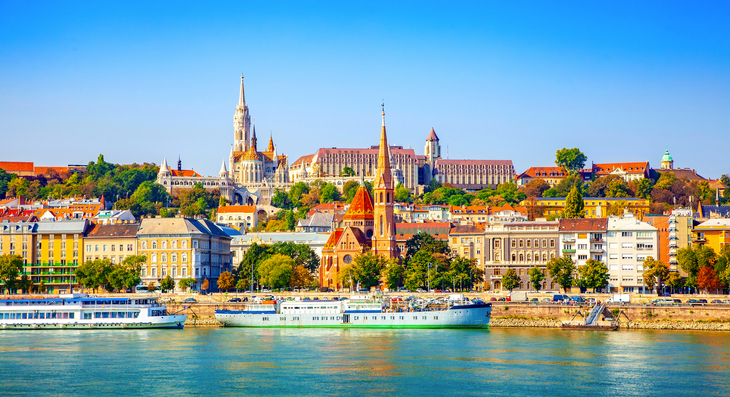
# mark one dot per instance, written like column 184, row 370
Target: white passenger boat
column 79, row 311
column 359, row 312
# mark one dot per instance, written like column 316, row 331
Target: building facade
column 240, row 217
column 521, row 246
column 183, row 248
column 595, row 207
column 114, row 242
column 50, row 250
column 582, row 239
column 630, row 242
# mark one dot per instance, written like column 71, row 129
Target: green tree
column 642, row 188
column 393, row 274
column 574, row 205
column 276, row 271
column 561, row 270
column 655, row 272
column 167, row 284
column 675, row 280
column 349, row 190
column 226, row 281
column 572, row 160
column 242, row 284
column 126, row 275
column 5, row 179
column 427, row 242
column 402, row 194
column 95, row 274
column 42, row 287
column 535, row 188
column 510, row 279
column 281, row 199
column 593, row 274
column 301, row 277
column 536, row 278
column 186, row 283
column 367, row 269
column 347, row 171
column 693, row 259
column 329, row 194
column 10, row 268
column 296, row 192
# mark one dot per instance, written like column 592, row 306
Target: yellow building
column 51, row 250
column 183, row 248
column 595, row 207
column 714, row 233
column 113, row 242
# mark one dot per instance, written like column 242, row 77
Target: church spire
column 383, row 178
column 271, row 143
column 253, row 138
column 241, row 96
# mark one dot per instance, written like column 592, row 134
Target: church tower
column 241, row 123
column 384, row 234
column 433, row 148
column 667, row 161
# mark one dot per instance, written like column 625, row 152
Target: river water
column 522, row 362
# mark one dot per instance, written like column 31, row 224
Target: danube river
column 521, row 362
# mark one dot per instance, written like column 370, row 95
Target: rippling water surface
column 367, row 362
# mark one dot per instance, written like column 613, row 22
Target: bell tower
column 384, row 233
column 241, row 123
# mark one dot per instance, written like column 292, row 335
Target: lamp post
column 428, row 276
column 251, row 286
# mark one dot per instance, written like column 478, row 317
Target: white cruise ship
column 358, row 312
column 79, row 311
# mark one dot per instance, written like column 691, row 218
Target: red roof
column 361, row 206
column 185, row 173
column 432, row 136
column 16, row 166
column 544, row 172
column 43, row 170
column 631, row 168
column 237, row 208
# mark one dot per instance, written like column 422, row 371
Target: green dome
column 667, row 157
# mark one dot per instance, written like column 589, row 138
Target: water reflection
column 369, row 362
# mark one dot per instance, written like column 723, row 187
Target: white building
column 583, row 238
column 630, row 242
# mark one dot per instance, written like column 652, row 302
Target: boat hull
column 473, row 317
column 172, row 321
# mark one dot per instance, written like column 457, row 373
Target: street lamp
column 428, row 274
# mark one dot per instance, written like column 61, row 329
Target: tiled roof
column 361, row 206
column 121, row 230
column 304, row 160
column 44, row 170
column 580, row 224
column 432, row 136
column 237, row 208
column 462, row 229
column 184, row 173
column 473, row 162
column 544, row 172
column 631, row 168
column 19, row 166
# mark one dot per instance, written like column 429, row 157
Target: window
column 514, row 243
column 627, row 267
column 611, row 234
column 528, row 244
column 627, row 234
column 96, row 247
column 582, row 257
column 184, row 257
column 113, row 247
column 612, row 245
column 582, row 246
column 627, row 256
column 144, row 245
column 552, row 243
column 627, row 245
column 129, row 247
column 88, row 247
column 497, row 272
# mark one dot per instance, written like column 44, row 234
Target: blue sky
column 623, row 81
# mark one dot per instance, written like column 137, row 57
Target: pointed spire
column 241, row 96
column 383, row 177
column 223, row 173
column 432, row 136
column 253, row 138
column 231, row 155
column 271, row 143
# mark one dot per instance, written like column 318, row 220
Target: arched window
column 173, row 258
column 164, row 244
column 174, row 244
column 185, row 244
column 381, row 197
column 154, row 271
column 514, row 257
column 522, row 257
column 154, row 245
column 185, row 271
column 184, row 257
column 529, row 257
column 387, row 197
column 144, row 245
column 154, row 258
column 163, row 258
column 381, row 223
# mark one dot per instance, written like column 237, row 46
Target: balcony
column 597, row 240
column 598, row 250
column 570, row 251
column 569, row 239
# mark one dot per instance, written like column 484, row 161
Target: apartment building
column 114, row 242
column 51, row 250
column 582, row 239
column 183, row 248
column 630, row 242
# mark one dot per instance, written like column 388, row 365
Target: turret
column 223, row 173
column 164, row 169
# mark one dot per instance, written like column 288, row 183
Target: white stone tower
column 433, row 148
column 241, row 123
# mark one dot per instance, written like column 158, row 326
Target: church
column 368, row 225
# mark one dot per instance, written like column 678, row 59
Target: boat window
column 71, row 315
column 401, row 317
column 424, row 317
column 97, row 314
column 356, row 317
column 435, row 317
column 87, row 316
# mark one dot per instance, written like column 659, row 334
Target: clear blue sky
column 623, row 81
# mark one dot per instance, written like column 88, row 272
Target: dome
column 667, row 156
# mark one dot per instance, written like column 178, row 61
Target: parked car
column 662, row 302
column 534, row 300
column 694, row 302
column 492, row 299
column 577, row 299
column 703, row 300
column 166, row 300
column 716, row 301
column 265, row 291
column 234, row 300
column 189, row 300
column 502, row 299
column 560, row 298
